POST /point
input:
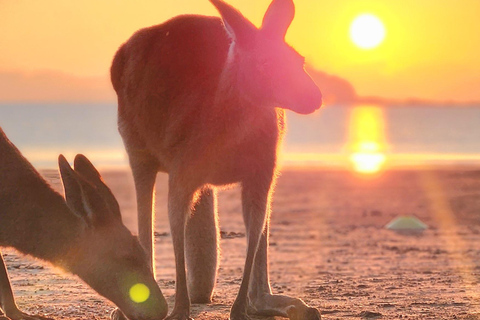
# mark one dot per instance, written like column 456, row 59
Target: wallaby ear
column 73, row 191
column 86, row 169
column 82, row 197
column 278, row 18
column 82, row 165
column 237, row 26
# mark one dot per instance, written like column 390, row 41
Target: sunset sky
column 431, row 48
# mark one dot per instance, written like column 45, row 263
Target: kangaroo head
column 106, row 255
column 266, row 70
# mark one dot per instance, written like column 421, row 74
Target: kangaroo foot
column 19, row 315
column 239, row 313
column 303, row 313
column 283, row 306
column 116, row 315
column 179, row 315
column 239, row 316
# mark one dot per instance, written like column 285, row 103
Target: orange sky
column 431, row 49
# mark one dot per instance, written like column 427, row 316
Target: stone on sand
column 406, row 223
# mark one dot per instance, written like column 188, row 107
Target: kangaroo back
column 166, row 77
column 171, row 57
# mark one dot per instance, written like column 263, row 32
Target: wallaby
column 83, row 235
column 197, row 99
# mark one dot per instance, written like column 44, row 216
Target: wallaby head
column 262, row 66
column 107, row 256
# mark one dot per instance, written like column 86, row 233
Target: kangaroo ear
column 87, row 170
column 278, row 18
column 237, row 26
column 72, row 189
column 82, row 198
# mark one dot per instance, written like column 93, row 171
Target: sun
column 367, row 31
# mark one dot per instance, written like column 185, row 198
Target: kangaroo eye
column 263, row 66
column 263, row 63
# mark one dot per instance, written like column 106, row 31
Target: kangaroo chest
column 231, row 151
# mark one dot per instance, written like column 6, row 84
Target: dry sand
column 328, row 247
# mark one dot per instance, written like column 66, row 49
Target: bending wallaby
column 197, row 99
column 84, row 235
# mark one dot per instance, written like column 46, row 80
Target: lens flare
column 367, row 142
column 139, row 293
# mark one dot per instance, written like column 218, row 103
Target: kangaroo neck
column 232, row 95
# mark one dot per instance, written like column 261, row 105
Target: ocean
column 406, row 135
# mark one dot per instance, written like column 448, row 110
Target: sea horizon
column 403, row 136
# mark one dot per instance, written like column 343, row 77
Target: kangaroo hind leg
column 261, row 300
column 202, row 248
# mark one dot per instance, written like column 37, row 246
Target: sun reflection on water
column 367, row 142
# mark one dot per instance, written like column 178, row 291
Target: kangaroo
column 197, row 99
column 83, row 235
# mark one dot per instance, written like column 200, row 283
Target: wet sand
column 328, row 247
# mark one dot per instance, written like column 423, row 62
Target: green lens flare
column 139, row 293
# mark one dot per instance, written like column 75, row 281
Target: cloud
column 51, row 86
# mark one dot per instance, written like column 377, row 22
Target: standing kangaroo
column 197, row 99
column 83, row 235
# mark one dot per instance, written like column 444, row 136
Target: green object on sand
column 406, row 223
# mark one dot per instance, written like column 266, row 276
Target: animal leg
column 255, row 201
column 261, row 300
column 144, row 169
column 7, row 300
column 202, row 248
column 179, row 205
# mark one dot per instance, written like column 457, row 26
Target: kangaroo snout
column 308, row 103
column 314, row 97
column 315, row 100
column 318, row 99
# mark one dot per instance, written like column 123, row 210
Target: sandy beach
column 328, row 247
